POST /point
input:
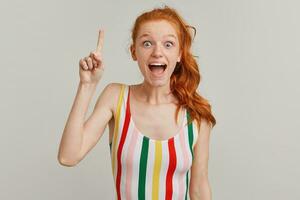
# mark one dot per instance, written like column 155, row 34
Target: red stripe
column 121, row 144
column 171, row 169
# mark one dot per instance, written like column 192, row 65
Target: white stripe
column 187, row 146
column 124, row 160
column 179, row 165
column 188, row 193
column 136, row 167
column 150, row 168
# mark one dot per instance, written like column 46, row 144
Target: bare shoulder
column 111, row 91
column 205, row 127
column 203, row 138
column 203, row 133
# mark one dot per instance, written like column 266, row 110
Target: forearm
column 204, row 191
column 73, row 132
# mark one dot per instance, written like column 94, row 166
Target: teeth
column 157, row 64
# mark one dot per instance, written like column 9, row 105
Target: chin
column 158, row 82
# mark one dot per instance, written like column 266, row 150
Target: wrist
column 87, row 85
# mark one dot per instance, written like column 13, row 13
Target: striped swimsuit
column 145, row 168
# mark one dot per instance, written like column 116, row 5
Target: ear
column 132, row 50
column 179, row 57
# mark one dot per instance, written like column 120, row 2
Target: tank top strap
column 122, row 100
column 192, row 134
column 126, row 96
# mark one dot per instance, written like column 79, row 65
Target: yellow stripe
column 156, row 170
column 116, row 129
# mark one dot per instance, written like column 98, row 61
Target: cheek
column 173, row 56
column 142, row 60
column 141, row 54
column 143, row 57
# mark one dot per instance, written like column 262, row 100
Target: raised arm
column 79, row 136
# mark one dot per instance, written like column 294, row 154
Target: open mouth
column 157, row 67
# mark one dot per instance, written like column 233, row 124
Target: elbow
column 200, row 187
column 195, row 196
column 204, row 192
column 195, row 193
column 67, row 162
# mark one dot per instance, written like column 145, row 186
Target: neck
column 155, row 95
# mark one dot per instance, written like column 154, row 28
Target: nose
column 157, row 52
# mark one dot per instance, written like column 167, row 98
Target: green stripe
column 143, row 168
column 191, row 138
column 187, row 184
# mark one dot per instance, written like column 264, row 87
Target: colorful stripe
column 156, row 169
column 145, row 168
column 171, row 169
column 129, row 166
column 120, row 147
column 185, row 157
column 116, row 129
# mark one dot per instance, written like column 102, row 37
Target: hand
column 91, row 67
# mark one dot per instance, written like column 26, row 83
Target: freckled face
column 156, row 43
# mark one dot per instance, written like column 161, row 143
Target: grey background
column 248, row 57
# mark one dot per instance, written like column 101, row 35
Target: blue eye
column 146, row 43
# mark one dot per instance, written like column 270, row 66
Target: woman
column 159, row 129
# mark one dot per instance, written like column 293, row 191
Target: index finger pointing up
column 100, row 41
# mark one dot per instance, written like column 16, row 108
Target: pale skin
column 150, row 102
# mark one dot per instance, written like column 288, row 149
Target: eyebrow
column 146, row 34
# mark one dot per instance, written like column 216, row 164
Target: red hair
column 186, row 77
